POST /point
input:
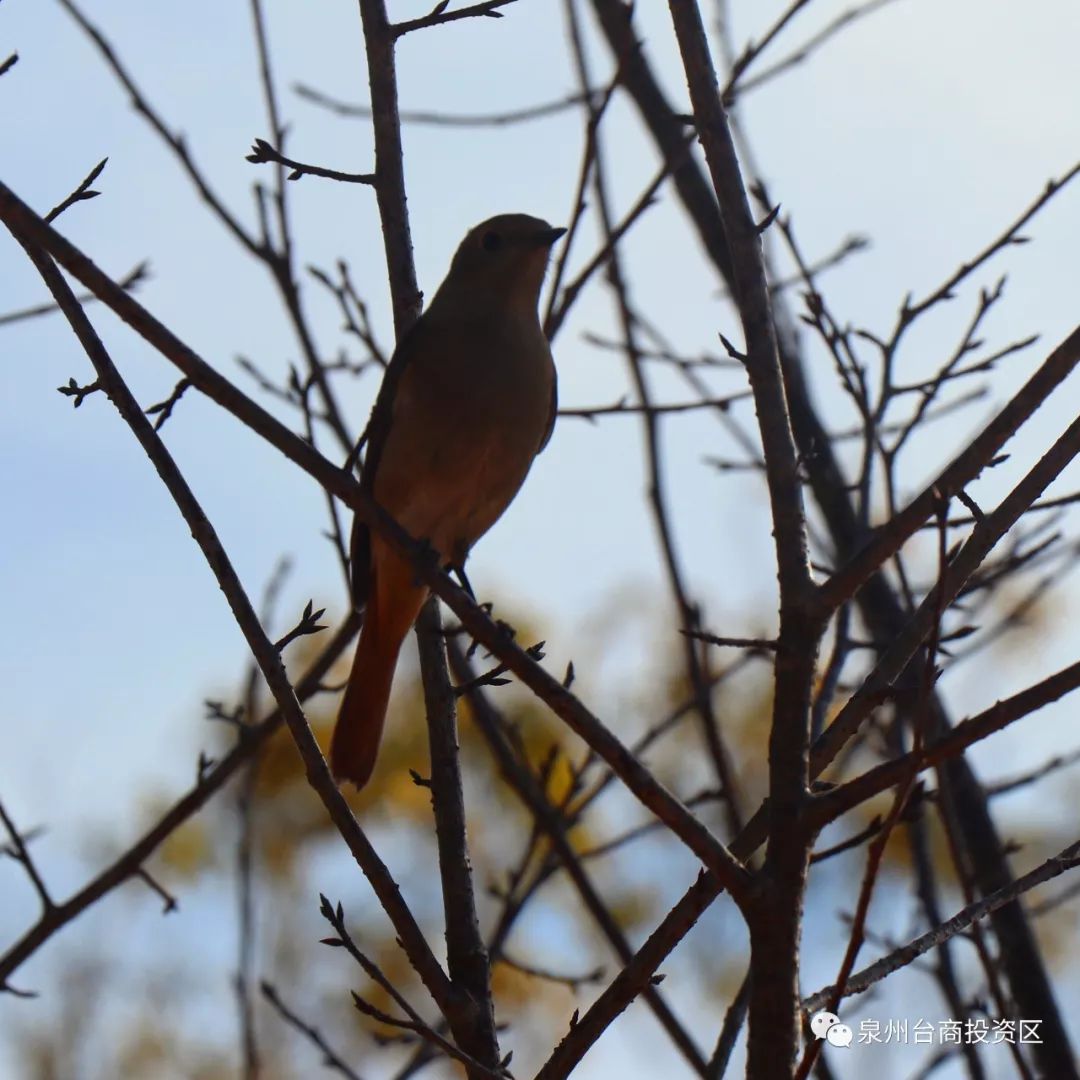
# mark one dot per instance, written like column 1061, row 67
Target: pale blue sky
column 926, row 127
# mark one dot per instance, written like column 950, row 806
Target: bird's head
column 502, row 260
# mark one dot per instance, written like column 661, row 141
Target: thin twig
column 624, row 408
column 439, row 15
column 262, row 152
column 130, row 281
column 440, row 119
column 330, row 1058
column 81, row 194
column 18, row 851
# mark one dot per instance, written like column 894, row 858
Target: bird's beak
column 548, row 237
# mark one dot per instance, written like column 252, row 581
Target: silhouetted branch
column 330, row 1058
column 861, row 981
column 81, row 194
column 262, row 152
column 440, row 119
column 267, row 657
column 439, row 15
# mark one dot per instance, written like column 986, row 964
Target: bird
column 467, row 401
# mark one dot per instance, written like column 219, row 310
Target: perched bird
column 467, row 401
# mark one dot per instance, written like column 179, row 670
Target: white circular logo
column 820, row 1023
column 839, row 1035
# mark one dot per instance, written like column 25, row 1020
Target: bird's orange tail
column 394, row 601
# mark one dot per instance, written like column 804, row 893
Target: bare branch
column 81, row 194
column 964, row 468
column 804, row 51
column 863, row 980
column 330, row 1058
column 176, row 143
column 211, row 780
column 130, row 281
column 265, row 654
column 439, row 119
column 262, row 152
column 17, row 850
column 623, row 408
column 439, row 15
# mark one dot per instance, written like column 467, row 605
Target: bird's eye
column 491, row 241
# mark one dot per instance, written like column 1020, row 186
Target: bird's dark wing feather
column 378, row 427
column 552, row 412
column 360, row 562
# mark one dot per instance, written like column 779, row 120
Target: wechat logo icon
column 826, row 1025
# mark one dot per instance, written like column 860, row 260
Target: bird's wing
column 553, row 411
column 375, row 434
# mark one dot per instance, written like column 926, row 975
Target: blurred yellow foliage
column 188, row 850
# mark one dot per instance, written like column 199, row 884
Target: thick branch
column 775, row 926
column 264, row 652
